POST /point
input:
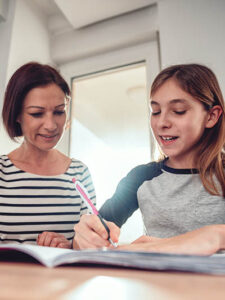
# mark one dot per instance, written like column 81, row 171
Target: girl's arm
column 204, row 241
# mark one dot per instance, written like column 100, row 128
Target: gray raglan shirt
column 172, row 201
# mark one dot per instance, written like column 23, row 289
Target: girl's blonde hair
column 201, row 83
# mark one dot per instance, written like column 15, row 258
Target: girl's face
column 43, row 117
column 178, row 121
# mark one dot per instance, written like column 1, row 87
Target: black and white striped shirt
column 31, row 204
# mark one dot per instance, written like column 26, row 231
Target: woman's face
column 178, row 121
column 43, row 117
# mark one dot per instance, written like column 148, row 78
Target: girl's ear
column 213, row 116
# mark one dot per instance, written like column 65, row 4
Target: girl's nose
column 164, row 120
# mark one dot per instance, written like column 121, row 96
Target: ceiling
column 80, row 13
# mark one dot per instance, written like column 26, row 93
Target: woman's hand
column 53, row 239
column 90, row 233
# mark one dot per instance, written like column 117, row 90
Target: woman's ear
column 68, row 124
column 213, row 116
column 18, row 119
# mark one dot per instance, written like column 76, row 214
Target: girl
column 38, row 201
column 185, row 190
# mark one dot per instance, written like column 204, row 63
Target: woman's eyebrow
column 34, row 106
column 41, row 107
column 60, row 105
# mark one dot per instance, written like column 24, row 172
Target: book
column 53, row 257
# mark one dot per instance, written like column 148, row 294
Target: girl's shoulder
column 146, row 171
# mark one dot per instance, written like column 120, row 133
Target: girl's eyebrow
column 178, row 101
column 153, row 102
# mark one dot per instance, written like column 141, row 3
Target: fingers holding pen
column 90, row 233
column 114, row 231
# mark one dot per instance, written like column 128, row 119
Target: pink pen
column 84, row 195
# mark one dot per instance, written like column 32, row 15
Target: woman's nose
column 50, row 123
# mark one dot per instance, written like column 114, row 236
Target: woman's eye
column 182, row 112
column 59, row 112
column 36, row 115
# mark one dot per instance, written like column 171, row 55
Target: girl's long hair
column 201, row 83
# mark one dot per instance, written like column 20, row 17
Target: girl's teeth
column 167, row 138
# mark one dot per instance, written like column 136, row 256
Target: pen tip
column 73, row 179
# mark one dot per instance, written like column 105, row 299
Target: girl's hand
column 90, row 233
column 53, row 239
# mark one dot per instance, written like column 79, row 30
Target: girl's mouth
column 167, row 140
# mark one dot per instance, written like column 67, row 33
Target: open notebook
column 52, row 257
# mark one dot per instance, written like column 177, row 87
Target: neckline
column 7, row 157
column 178, row 171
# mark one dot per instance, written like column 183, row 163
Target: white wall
column 29, row 41
column 113, row 34
column 193, row 31
column 30, row 38
column 6, row 22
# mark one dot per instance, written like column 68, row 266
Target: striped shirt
column 31, row 204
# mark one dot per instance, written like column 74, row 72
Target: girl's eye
column 155, row 113
column 180, row 112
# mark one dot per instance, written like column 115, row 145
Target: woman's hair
column 27, row 77
column 201, row 83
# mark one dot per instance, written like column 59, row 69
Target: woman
column 181, row 197
column 39, row 203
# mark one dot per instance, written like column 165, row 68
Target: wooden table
column 33, row 281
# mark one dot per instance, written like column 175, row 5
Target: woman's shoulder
column 6, row 166
column 3, row 157
column 77, row 165
column 79, row 170
column 4, row 161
